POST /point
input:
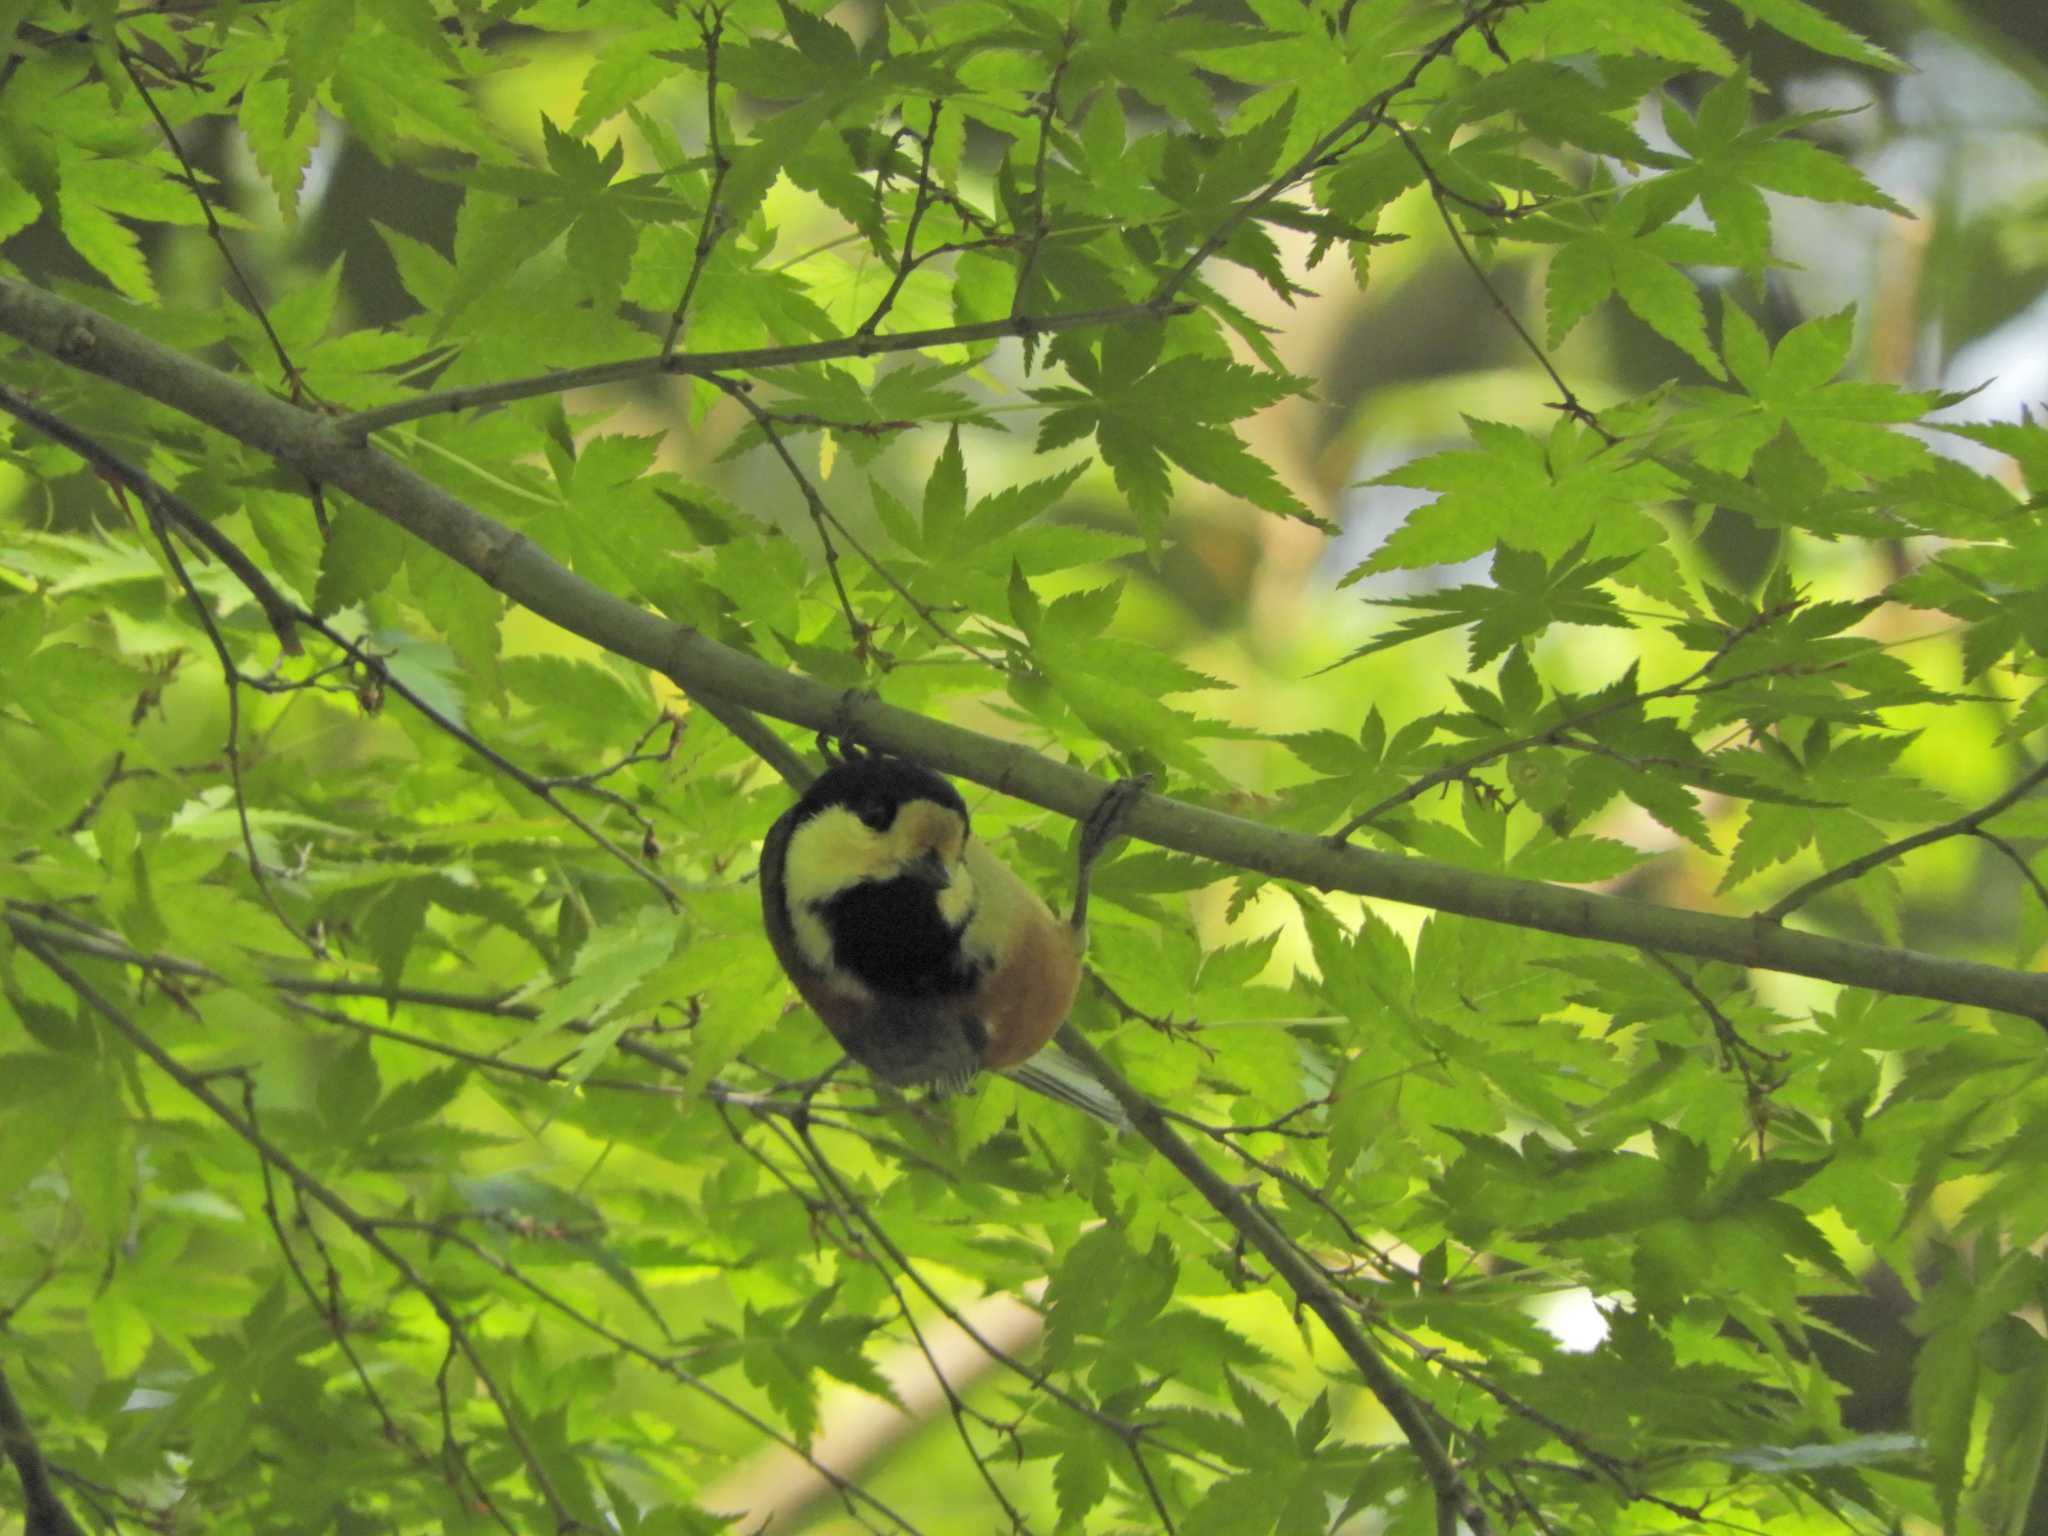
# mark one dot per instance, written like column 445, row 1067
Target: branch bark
column 44, row 1513
column 322, row 451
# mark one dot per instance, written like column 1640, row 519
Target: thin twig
column 280, row 612
column 294, row 380
column 1367, row 116
column 701, row 364
column 363, row 1227
column 713, row 225
column 1598, row 1463
column 1130, row 1433
column 590, row 783
column 1046, row 106
column 1309, row 1285
column 827, row 521
column 906, row 260
column 1735, row 1050
column 957, row 1406
column 2018, row 861
column 821, row 515
column 286, row 617
column 328, row 1307
column 32, row 924
column 1962, row 826
column 231, row 750
column 1225, row 1136
column 1441, row 195
column 445, row 1232
column 1684, row 687
column 390, row 682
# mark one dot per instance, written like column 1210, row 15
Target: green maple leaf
column 1664, row 29
column 1622, row 252
column 1526, row 596
column 1846, row 426
column 1145, row 418
column 1733, row 164
column 578, row 197
column 1808, row 24
column 1545, row 494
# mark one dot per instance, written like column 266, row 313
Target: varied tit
column 924, row 955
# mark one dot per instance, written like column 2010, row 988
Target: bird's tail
column 1058, row 1076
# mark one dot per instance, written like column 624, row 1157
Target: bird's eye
column 875, row 813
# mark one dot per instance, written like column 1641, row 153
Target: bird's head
column 875, row 820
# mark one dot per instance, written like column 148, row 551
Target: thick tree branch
column 323, row 451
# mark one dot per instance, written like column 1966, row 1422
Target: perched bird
column 924, row 955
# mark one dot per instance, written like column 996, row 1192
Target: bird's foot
column 836, row 743
column 1099, row 830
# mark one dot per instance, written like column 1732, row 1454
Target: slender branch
column 762, row 742
column 711, row 24
column 520, row 569
column 1370, row 115
column 821, row 516
column 1128, row 1432
column 1048, row 104
column 12, row 1309
column 2018, row 861
column 591, row 782
column 1962, row 826
column 294, row 380
column 328, row 1307
column 699, row 364
column 1596, row 1460
column 281, row 613
column 162, row 508
column 850, row 1242
column 1227, row 1137
column 531, row 783
column 1751, row 1061
column 1684, row 687
column 1736, row 1052
column 363, row 1227
column 907, row 261
column 29, row 925
column 826, row 520
column 286, row 617
column 1309, row 1284
column 231, row 749
column 1442, row 196
column 44, row 1513
column 442, row 1231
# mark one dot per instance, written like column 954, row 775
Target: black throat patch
column 891, row 935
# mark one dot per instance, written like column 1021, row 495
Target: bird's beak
column 929, row 869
